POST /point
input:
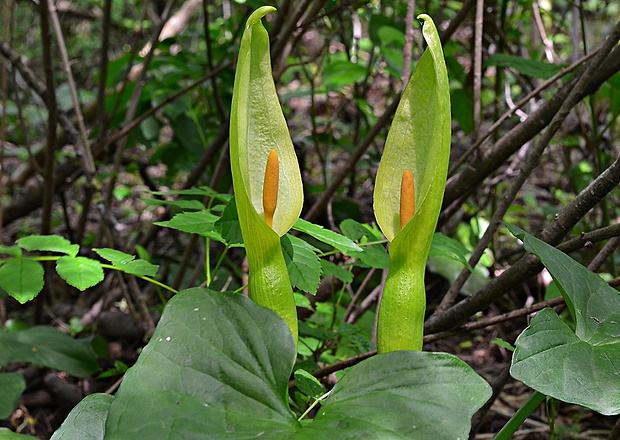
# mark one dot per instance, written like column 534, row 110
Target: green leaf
column 342, row 73
column 229, row 226
column 86, row 421
column 181, row 204
column 449, row 247
column 21, row 278
column 139, row 268
column 218, row 366
column 371, row 255
column 419, row 142
column 308, row 384
column 535, row 69
column 47, row 347
column 80, row 272
column 113, row 256
column 578, row 367
column 49, row 243
column 12, row 386
column 6, row 434
column 355, row 230
column 303, row 264
column 374, row 256
column 340, row 242
column 200, row 222
column 402, row 394
column 11, row 250
column 203, row 191
column 330, row 269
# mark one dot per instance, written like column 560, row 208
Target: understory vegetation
column 120, row 223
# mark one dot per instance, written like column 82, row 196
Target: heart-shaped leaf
column 12, row 386
column 87, row 420
column 218, row 366
column 46, row 346
column 583, row 366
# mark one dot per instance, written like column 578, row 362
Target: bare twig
column 517, row 106
column 478, row 65
column 407, row 51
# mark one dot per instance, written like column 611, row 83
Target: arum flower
column 409, row 191
column 265, row 171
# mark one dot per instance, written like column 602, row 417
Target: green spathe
column 418, row 141
column 257, row 126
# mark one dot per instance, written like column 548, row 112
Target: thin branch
column 478, row 66
column 565, row 71
column 529, row 265
column 408, row 49
column 86, row 154
column 321, row 203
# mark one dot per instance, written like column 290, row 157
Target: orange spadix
column 270, row 187
column 407, row 198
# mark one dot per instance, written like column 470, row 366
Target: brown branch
column 529, row 265
column 472, row 175
column 321, row 203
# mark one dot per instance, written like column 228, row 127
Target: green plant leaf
column 50, row 243
column 229, row 226
column 128, row 263
column 304, row 266
column 340, row 242
column 181, row 204
column 86, row 421
column 12, row 386
column 21, row 278
column 203, row 191
column 139, row 268
column 308, row 384
column 403, row 394
column 535, row 69
column 578, row 367
column 6, row 434
column 449, row 247
column 15, row 251
column 342, row 73
column 80, row 272
column 47, row 347
column 218, row 366
column 330, row 269
column 199, row 222
column 418, row 142
column 113, row 256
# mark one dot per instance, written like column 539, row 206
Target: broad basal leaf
column 47, row 347
column 86, row 420
column 583, row 366
column 12, row 386
column 218, row 366
column 402, row 395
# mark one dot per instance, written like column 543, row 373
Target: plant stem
column 523, row 413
